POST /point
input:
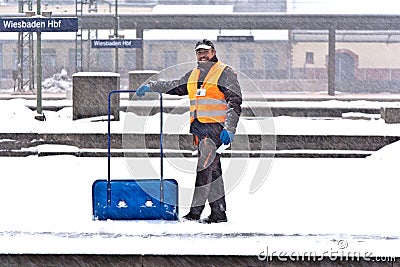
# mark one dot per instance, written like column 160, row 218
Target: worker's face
column 204, row 55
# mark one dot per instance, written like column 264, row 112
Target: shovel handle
column 109, row 137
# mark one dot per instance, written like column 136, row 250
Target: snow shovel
column 138, row 199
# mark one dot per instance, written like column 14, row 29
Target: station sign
column 39, row 24
column 225, row 38
column 117, row 43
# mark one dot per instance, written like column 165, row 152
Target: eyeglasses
column 202, row 52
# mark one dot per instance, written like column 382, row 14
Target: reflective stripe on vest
column 212, row 106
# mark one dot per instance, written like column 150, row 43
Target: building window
column 345, row 67
column 130, row 59
column 309, row 57
column 270, row 65
column 105, row 60
column 270, row 61
column 170, row 58
column 246, row 61
column 49, row 57
column 25, row 54
column 49, row 62
column 75, row 60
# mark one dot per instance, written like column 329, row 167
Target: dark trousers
column 209, row 182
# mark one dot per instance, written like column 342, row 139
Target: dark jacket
column 229, row 86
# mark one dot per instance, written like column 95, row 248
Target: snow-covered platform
column 315, row 207
column 249, row 96
column 270, row 105
column 351, row 135
column 320, row 207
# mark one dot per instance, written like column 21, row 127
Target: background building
column 276, row 60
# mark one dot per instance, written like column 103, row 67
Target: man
column 215, row 106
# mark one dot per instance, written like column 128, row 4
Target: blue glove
column 141, row 91
column 226, row 137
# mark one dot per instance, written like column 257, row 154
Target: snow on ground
column 317, row 206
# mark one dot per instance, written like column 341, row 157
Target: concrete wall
column 90, row 94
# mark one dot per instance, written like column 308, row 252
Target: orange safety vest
column 207, row 104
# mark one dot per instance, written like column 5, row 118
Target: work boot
column 215, row 218
column 191, row 217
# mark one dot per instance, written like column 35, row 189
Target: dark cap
column 204, row 44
